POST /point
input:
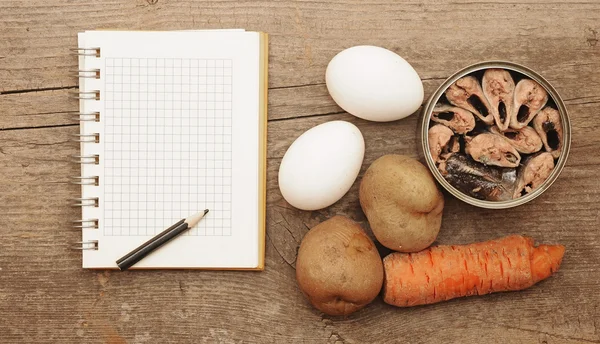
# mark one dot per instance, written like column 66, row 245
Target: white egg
column 374, row 83
column 321, row 165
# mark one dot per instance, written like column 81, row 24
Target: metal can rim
column 566, row 144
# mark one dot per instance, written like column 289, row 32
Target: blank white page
column 179, row 133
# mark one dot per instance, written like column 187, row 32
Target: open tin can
column 554, row 101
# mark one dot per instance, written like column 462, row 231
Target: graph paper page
column 179, row 133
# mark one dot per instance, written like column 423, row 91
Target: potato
column 402, row 203
column 338, row 267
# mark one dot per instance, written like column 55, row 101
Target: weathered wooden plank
column 55, row 107
column 37, row 109
column 438, row 54
column 121, row 307
column 434, row 36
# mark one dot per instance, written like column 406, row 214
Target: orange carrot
column 446, row 272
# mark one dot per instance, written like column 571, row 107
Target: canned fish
column 496, row 134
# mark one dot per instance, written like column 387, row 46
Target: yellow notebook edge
column 263, row 118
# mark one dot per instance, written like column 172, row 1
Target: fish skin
column 479, row 181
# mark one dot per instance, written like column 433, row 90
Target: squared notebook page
column 180, row 132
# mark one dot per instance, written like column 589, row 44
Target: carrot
column 446, row 272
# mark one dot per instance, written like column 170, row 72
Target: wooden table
column 45, row 296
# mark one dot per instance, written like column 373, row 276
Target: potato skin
column 402, row 203
column 338, row 267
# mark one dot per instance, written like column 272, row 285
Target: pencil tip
column 194, row 219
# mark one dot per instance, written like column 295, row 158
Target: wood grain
column 37, row 109
column 46, row 297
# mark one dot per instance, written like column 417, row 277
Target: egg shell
column 321, row 165
column 374, row 83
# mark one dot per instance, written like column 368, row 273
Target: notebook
column 173, row 123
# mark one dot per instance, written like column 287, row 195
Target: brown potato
column 402, row 203
column 338, row 267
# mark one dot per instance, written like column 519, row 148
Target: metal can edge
column 566, row 144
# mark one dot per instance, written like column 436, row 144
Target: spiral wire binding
column 86, row 202
column 86, row 73
column 86, row 95
column 86, row 159
column 93, row 138
column 95, row 180
column 85, row 245
column 86, row 51
column 86, row 117
column 88, row 223
column 87, row 138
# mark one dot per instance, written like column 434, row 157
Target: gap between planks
column 76, row 86
column 41, row 127
column 39, row 89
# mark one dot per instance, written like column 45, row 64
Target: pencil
column 160, row 239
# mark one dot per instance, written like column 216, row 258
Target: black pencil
column 163, row 237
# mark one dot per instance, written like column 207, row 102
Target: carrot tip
column 545, row 261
